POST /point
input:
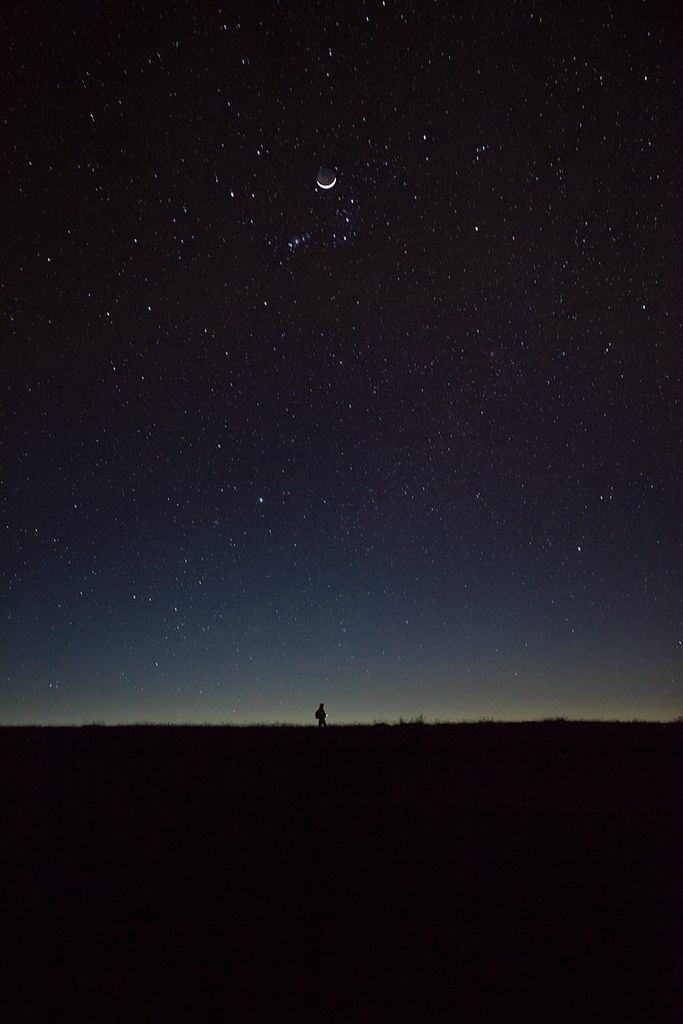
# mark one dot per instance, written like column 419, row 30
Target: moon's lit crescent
column 331, row 184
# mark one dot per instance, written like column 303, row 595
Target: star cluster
column 408, row 445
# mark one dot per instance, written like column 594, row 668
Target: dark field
column 534, row 869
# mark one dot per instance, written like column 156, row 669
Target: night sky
column 409, row 445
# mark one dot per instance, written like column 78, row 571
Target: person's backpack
column 317, row 714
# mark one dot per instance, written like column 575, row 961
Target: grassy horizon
column 419, row 720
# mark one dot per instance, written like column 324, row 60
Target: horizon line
column 399, row 723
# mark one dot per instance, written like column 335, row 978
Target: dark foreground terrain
column 530, row 869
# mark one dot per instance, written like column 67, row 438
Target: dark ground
column 529, row 868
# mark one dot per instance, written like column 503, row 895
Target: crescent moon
column 331, row 184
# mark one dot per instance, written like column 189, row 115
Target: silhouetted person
column 321, row 715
